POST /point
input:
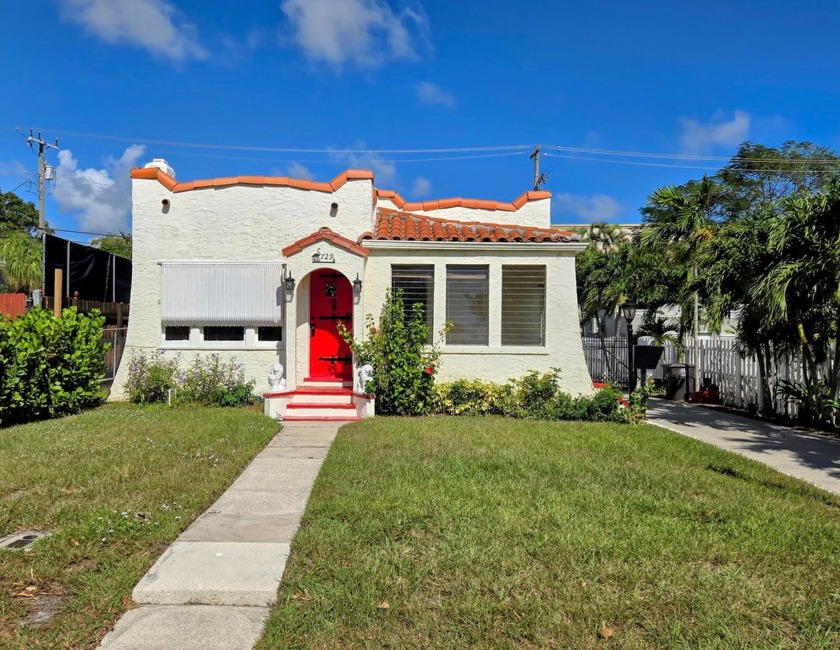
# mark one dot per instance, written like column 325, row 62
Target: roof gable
column 321, row 235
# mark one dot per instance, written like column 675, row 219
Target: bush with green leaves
column 404, row 363
column 50, row 366
column 213, row 382
column 536, row 396
column 150, row 377
column 208, row 381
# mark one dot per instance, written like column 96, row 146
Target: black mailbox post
column 645, row 357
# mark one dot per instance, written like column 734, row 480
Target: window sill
column 488, row 349
column 176, row 346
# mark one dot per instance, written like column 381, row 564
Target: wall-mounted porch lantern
column 290, row 287
column 357, row 286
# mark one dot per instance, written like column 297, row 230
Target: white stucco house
column 262, row 268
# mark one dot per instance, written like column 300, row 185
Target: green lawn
column 468, row 532
column 115, row 486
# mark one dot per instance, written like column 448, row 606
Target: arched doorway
column 330, row 302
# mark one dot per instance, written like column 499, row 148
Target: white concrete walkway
column 810, row 457
column 213, row 588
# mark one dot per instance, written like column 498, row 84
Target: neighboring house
column 262, row 268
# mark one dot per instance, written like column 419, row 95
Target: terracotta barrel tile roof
column 392, row 225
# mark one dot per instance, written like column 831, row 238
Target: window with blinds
column 468, row 304
column 523, row 305
column 417, row 283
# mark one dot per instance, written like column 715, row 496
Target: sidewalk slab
column 260, row 502
column 214, row 573
column 241, row 527
column 809, row 457
column 288, row 451
column 200, row 627
column 279, row 475
column 302, row 440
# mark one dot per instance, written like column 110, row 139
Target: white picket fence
column 737, row 377
column 719, row 362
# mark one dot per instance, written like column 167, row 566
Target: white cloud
column 152, row 24
column 99, row 198
column 598, row 207
column 433, row 94
column 363, row 32
column 422, row 187
column 700, row 138
column 296, row 170
column 384, row 171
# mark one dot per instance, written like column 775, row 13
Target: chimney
column 162, row 165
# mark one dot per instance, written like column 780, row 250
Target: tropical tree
column 20, row 261
column 800, row 288
column 116, row 243
column 16, row 215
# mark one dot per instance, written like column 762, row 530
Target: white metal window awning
column 221, row 293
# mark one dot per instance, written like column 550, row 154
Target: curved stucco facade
column 235, row 223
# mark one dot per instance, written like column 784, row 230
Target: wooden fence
column 12, row 304
column 116, row 312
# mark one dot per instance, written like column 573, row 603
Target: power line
column 199, row 145
column 674, row 156
column 650, row 164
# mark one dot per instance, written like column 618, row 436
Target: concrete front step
column 327, row 383
column 320, row 410
column 323, row 396
column 306, row 418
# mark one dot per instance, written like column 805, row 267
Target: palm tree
column 800, row 286
column 20, row 261
column 679, row 221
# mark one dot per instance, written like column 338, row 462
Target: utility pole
column 42, row 172
column 42, row 221
column 535, row 155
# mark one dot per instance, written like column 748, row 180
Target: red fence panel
column 12, row 304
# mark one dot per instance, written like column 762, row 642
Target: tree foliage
column 116, row 243
column 758, row 242
column 16, row 215
column 20, row 261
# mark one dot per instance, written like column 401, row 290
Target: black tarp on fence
column 95, row 274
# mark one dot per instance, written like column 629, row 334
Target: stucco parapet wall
column 458, row 202
column 283, row 181
column 325, row 234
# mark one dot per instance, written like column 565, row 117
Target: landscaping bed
column 489, row 532
column 115, row 486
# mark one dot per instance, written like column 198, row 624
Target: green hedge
column 536, row 396
column 50, row 366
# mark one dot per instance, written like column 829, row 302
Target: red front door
column 330, row 301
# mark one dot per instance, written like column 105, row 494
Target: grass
column 115, row 486
column 486, row 532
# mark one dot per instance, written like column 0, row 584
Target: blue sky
column 122, row 81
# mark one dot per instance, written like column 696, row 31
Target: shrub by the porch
column 208, row 381
column 535, row 396
column 50, row 366
column 403, row 362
